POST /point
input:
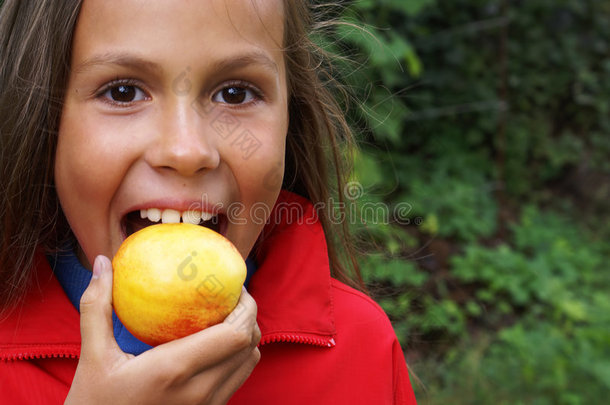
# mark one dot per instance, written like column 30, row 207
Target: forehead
column 173, row 33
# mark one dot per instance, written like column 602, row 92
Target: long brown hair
column 35, row 50
column 35, row 42
column 320, row 142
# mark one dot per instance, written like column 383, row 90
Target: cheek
column 259, row 180
column 88, row 169
column 76, row 191
column 259, row 164
column 81, row 167
column 93, row 153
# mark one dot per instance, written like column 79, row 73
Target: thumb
column 96, row 312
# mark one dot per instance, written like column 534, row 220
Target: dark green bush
column 488, row 123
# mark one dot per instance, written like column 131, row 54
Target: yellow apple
column 171, row 280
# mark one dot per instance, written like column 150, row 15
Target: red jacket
column 322, row 341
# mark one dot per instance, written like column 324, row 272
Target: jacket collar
column 292, row 288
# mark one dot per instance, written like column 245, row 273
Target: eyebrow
column 119, row 59
column 136, row 62
column 245, row 60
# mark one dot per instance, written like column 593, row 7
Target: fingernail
column 98, row 266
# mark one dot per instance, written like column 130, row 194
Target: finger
column 238, row 378
column 215, row 344
column 242, row 320
column 96, row 311
column 234, row 374
column 243, row 313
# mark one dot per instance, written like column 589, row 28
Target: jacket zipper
column 270, row 338
column 28, row 356
column 292, row 338
column 42, row 354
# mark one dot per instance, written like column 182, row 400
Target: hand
column 206, row 367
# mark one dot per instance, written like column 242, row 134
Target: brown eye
column 122, row 93
column 234, row 95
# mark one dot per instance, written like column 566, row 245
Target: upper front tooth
column 154, row 214
column 191, row 217
column 169, row 216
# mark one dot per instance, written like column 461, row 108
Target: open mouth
column 136, row 220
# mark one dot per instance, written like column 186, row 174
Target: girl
column 119, row 114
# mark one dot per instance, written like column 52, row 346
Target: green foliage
column 548, row 263
column 488, row 123
column 553, row 283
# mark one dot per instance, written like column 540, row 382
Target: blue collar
column 74, row 279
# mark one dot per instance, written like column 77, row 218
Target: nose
column 183, row 144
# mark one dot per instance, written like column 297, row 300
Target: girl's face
column 175, row 108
